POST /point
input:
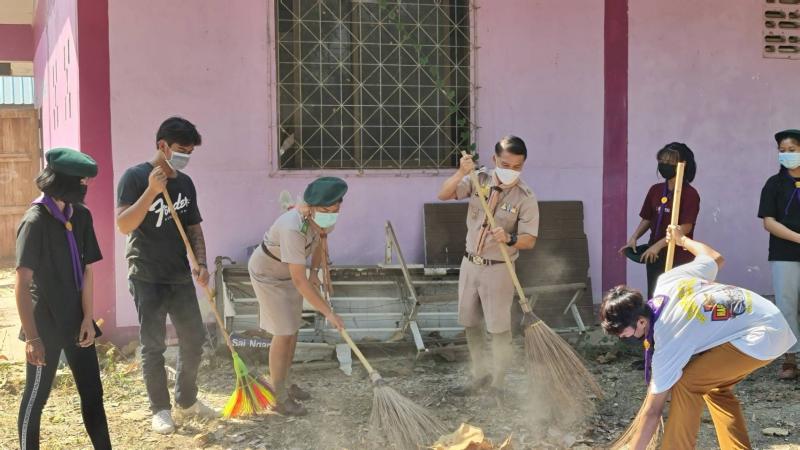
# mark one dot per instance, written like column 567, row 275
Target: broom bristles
column 566, row 381
column 626, row 438
column 403, row 423
column 251, row 395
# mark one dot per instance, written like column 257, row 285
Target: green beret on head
column 781, row 135
column 71, row 162
column 325, row 191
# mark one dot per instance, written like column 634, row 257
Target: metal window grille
column 373, row 84
column 781, row 32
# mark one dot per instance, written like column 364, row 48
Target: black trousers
column 654, row 270
column 154, row 302
column 38, row 382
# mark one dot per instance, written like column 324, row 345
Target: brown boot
column 289, row 407
column 296, row 393
column 788, row 371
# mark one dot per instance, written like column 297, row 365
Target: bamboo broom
column 252, row 394
column 553, row 363
column 627, row 436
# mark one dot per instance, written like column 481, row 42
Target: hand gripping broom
column 252, row 394
column 626, row 439
column 554, row 365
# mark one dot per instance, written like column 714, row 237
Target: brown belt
column 269, row 253
column 480, row 261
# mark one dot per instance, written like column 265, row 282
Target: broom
column 252, row 394
column 400, row 421
column 628, row 435
column 552, row 361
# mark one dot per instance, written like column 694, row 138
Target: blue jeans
column 153, row 303
column 786, row 282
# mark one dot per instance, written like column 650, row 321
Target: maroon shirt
column 690, row 207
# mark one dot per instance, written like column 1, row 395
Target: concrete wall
column 697, row 76
column 16, row 42
column 214, row 66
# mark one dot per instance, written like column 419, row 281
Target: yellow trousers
column 710, row 377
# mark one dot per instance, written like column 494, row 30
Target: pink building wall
column 213, row 66
column 697, row 76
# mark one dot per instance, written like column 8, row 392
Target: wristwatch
column 512, row 240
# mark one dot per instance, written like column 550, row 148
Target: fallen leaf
column 775, row 431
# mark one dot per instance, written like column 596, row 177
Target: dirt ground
column 340, row 406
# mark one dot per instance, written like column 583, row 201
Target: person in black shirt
column 159, row 276
column 780, row 210
column 56, row 247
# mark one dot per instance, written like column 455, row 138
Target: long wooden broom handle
column 676, row 207
column 356, row 350
column 196, row 266
column 476, row 186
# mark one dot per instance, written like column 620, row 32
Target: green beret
column 71, row 162
column 325, row 191
column 781, row 135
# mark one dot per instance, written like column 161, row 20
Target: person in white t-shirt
column 700, row 338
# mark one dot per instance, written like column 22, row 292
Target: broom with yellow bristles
column 555, row 366
column 252, row 394
column 627, row 436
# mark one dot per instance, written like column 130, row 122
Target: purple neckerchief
column 794, row 194
column 663, row 205
column 64, row 217
column 656, row 305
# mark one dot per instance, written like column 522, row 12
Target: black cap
column 781, row 135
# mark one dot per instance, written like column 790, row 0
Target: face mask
column 789, row 160
column 179, row 161
column 666, row 170
column 506, row 176
column 632, row 340
column 324, row 219
column 76, row 196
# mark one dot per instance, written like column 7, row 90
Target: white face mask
column 790, row 160
column 506, row 176
column 325, row 219
column 179, row 161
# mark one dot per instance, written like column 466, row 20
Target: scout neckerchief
column 656, row 305
column 665, row 197
column 325, row 263
column 64, row 218
column 794, row 194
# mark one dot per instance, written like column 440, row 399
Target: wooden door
column 20, row 162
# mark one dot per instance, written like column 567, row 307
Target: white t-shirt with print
column 701, row 314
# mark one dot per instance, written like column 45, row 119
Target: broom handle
column 358, row 353
column 676, row 206
column 523, row 302
column 196, row 266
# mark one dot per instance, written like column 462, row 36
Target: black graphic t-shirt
column 42, row 246
column 155, row 251
column 779, row 201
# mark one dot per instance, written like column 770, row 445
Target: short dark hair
column 57, row 185
column 621, row 308
column 790, row 138
column 684, row 154
column 511, row 144
column 178, row 130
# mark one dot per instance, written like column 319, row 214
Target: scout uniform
column 485, row 289
column 57, row 245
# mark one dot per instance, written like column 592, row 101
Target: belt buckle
column 478, row 260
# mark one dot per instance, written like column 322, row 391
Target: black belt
column 480, row 261
column 269, row 253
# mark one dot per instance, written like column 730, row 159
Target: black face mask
column 76, row 196
column 632, row 339
column 667, row 170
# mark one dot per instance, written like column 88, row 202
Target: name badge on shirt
column 508, row 208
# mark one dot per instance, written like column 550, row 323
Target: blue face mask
column 790, row 160
column 325, row 219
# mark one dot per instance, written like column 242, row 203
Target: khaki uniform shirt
column 291, row 238
column 517, row 212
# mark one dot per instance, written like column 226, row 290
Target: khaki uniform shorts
column 485, row 294
column 280, row 304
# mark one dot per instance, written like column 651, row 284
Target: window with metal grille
column 781, row 29
column 373, row 84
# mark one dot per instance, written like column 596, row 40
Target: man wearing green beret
column 56, row 247
column 159, row 276
column 278, row 273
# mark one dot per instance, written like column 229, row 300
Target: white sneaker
column 198, row 410
column 162, row 422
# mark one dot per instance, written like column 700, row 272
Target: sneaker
column 472, row 388
column 198, row 410
column 298, row 394
column 162, row 422
column 290, row 408
column 788, row 371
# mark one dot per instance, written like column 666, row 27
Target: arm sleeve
column 29, row 243
column 193, row 217
column 528, row 221
column 293, row 247
column 647, row 212
column 668, row 363
column 129, row 189
column 91, row 249
column 464, row 188
column 767, row 206
column 703, row 267
column 690, row 207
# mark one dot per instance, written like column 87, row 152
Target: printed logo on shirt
column 736, row 302
column 162, row 210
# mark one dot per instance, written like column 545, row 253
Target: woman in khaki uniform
column 278, row 273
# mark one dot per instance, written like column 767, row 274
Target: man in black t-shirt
column 160, row 278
